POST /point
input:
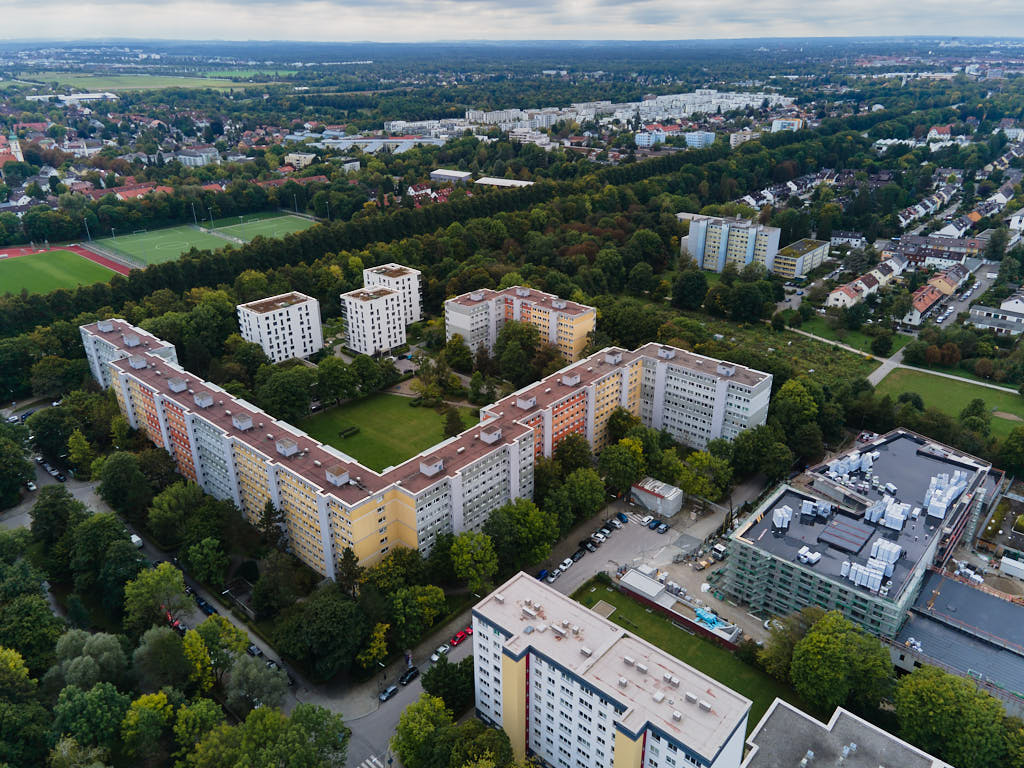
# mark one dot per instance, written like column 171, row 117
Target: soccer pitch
column 161, row 245
column 266, row 226
column 45, row 272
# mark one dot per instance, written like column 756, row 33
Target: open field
column 702, row 654
column 856, row 339
column 249, row 73
column 951, row 397
column 390, row 430
column 160, row 245
column 45, row 272
column 266, row 226
column 126, row 82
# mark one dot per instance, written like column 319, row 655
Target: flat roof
column 494, row 182
column 801, row 247
column 274, row 303
column 533, row 296
column 905, row 460
column 785, row 735
column 368, row 294
column 595, row 650
column 393, row 270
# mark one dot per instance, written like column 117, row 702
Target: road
column 982, row 284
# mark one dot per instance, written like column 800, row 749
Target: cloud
column 418, row 20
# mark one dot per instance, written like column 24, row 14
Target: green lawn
column 267, row 226
column 249, row 73
column 136, row 82
column 951, row 397
column 45, row 272
column 160, row 245
column 856, row 339
column 702, row 654
column 390, row 430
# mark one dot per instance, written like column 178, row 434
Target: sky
column 427, row 20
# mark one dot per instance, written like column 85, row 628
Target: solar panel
column 845, row 534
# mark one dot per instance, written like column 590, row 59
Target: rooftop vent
column 613, row 356
column 130, row 339
column 176, row 384
column 106, row 326
column 529, row 613
column 623, row 682
column 628, row 660
column 490, row 435
column 337, row 475
column 499, row 597
column 571, row 379
column 431, row 465
column 641, row 668
column 203, row 399
column 658, row 697
column 558, row 304
column 558, row 630
column 460, row 449
column 586, row 651
column 727, row 369
column 526, row 402
column 287, row 447
column 691, row 698
column 705, row 706
column 317, row 463
column 242, row 421
column 674, row 682
column 677, row 715
column 137, row 361
column 666, row 353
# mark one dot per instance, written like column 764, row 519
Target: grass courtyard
column 45, row 272
column 272, row 225
column 856, row 339
column 951, row 396
column 704, row 655
column 160, row 245
column 390, row 430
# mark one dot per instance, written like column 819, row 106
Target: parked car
column 458, row 638
column 565, row 565
column 662, row 528
column 553, row 576
column 646, row 519
column 653, row 525
column 38, row 458
column 12, row 419
column 388, row 693
column 442, row 650
column 136, row 541
column 614, row 523
column 469, row 630
column 588, row 545
column 409, row 675
column 254, row 650
column 30, row 485
column 605, row 531
column 542, row 574
column 61, row 477
column 598, row 537
column 578, row 555
column 621, row 517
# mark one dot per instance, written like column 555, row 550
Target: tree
column 122, row 562
column 573, row 452
column 90, row 541
column 621, row 465
column 93, row 717
column 793, row 406
column 158, row 468
column 1011, row 452
column 145, row 723
column 457, row 354
column 170, row 509
column 15, row 682
column 193, row 721
column 376, row 650
column 474, row 560
column 208, row 561
column 287, row 392
column 311, row 736
column 80, row 453
column 705, row 476
column 52, row 376
column 123, row 486
column 835, row 664
column 324, row 632
column 881, row 345
column 335, row 381
column 413, row 612
column 515, row 364
column 418, row 728
column 160, row 660
column 271, row 524
column 24, row 732
column 28, row 626
column 401, row 567
column 276, row 588
column 151, row 595
column 949, row 717
column 452, row 683
column 620, row 423
column 197, row 661
column 224, row 642
column 520, row 533
column 54, row 508
column 585, row 493
column 15, row 471
column 84, row 660
column 777, row 461
column 68, row 753
column 348, row 572
column 452, row 422
column 252, row 683
column 777, row 654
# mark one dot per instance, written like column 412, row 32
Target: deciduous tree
column 151, row 595
column 474, row 560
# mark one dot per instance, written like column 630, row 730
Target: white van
column 136, row 541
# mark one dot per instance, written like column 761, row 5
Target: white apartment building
column 577, row 691
column 787, row 124
column 118, row 342
column 374, row 320
column 286, row 326
column 714, row 242
column 402, row 280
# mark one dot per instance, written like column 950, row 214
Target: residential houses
column 1008, row 318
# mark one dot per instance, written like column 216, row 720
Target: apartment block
column 330, row 501
column 699, row 139
column 479, row 315
column 374, row 319
column 714, row 242
column 286, row 326
column 404, row 281
column 858, row 533
column 575, row 690
column 799, row 258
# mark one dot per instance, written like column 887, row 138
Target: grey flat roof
column 905, row 460
column 785, row 734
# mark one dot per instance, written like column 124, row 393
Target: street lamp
column 194, row 219
column 87, row 233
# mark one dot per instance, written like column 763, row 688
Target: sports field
column 45, row 272
column 160, row 245
column 136, row 82
column 266, row 226
column 951, row 396
column 390, row 430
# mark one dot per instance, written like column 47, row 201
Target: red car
column 460, row 637
column 468, row 630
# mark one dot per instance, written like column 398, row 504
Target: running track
column 103, row 261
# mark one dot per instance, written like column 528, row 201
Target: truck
column 719, row 551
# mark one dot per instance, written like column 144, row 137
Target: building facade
column 374, row 320
column 699, row 139
column 479, row 315
column 404, row 281
column 799, row 258
column 330, row 501
column 577, row 691
column 714, row 242
column 286, row 326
